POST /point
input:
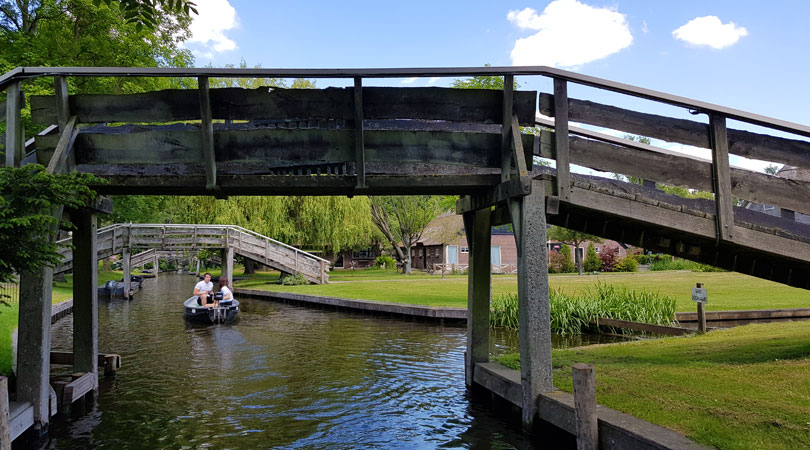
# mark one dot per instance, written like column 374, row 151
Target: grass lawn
column 726, row 290
column 741, row 388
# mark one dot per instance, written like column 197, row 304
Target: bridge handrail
column 23, row 73
column 215, row 226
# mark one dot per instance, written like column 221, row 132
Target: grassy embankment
column 727, row 290
column 62, row 290
column 740, row 388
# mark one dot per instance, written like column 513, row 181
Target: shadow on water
column 281, row 377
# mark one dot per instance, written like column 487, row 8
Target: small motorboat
column 224, row 313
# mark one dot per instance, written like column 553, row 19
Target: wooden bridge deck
column 176, row 239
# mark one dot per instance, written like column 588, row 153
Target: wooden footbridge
column 383, row 140
column 130, row 240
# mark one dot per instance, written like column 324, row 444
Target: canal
column 281, row 377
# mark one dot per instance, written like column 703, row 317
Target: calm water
column 281, row 377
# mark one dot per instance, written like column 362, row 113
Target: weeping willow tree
column 403, row 219
column 325, row 224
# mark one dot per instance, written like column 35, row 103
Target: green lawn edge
column 740, row 388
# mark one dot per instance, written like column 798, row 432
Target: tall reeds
column 571, row 314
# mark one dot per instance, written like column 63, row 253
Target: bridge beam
column 533, row 302
column 34, row 344
column 479, row 289
column 85, row 293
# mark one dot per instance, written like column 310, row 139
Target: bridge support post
column 156, row 265
column 34, row 343
column 479, row 288
column 227, row 265
column 126, row 266
column 533, row 303
column 85, row 294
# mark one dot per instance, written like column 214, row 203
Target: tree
column 571, row 237
column 592, row 261
column 481, row 82
column 403, row 219
column 28, row 195
column 26, row 15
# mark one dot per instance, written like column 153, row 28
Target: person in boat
column 227, row 294
column 204, row 289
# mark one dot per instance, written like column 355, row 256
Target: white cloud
column 569, row 34
column 644, row 27
column 209, row 27
column 409, row 80
column 433, row 80
column 710, row 31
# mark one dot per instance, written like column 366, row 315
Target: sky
column 747, row 55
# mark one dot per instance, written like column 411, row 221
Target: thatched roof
column 445, row 229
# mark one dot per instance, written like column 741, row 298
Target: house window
column 598, row 250
column 465, row 249
column 420, row 253
column 363, row 254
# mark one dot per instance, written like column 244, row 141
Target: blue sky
column 747, row 55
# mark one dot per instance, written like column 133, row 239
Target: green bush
column 628, row 264
column 561, row 261
column 293, row 280
column 568, row 265
column 385, row 262
column 682, row 264
column 592, row 261
column 642, row 259
column 571, row 314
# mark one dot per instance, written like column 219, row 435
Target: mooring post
column 126, row 258
column 85, row 294
column 198, row 267
column 533, row 303
column 227, row 265
column 5, row 421
column 587, row 425
column 701, row 313
column 156, row 264
column 34, row 338
column 479, row 282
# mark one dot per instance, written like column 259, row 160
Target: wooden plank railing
column 159, row 238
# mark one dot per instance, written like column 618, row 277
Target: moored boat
column 225, row 313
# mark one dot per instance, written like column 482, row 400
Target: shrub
column 568, row 265
column 609, row 257
column 293, row 280
column 628, row 264
column 592, row 261
column 561, row 261
column 384, row 261
column 642, row 259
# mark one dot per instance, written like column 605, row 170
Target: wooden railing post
column 562, row 155
column 14, row 130
column 506, row 135
column 207, row 135
column 721, row 178
column 359, row 139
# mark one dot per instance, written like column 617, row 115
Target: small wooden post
column 323, row 272
column 587, row 425
column 5, row 421
column 207, row 134
column 156, row 264
column 721, row 177
column 479, row 288
column 359, row 138
column 701, row 313
column 85, row 294
column 125, row 265
column 198, row 266
column 506, row 134
column 561, row 149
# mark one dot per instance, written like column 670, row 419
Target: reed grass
column 572, row 313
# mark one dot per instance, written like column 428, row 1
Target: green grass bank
column 727, row 290
column 740, row 388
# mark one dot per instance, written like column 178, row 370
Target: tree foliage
column 592, row 261
column 481, row 82
column 403, row 219
column 27, row 197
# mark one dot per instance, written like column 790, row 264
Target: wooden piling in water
column 479, row 288
column 85, row 294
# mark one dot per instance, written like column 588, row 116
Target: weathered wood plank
column 506, row 133
column 62, row 102
column 207, row 135
column 458, row 105
column 722, row 178
column 587, row 426
column 479, row 288
column 63, row 154
column 743, row 143
column 638, row 326
column 359, row 137
column 282, row 148
column 78, row 388
column 664, row 166
column 14, row 127
column 561, row 149
column 21, row 417
column 5, row 419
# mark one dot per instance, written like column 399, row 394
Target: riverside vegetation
column 573, row 313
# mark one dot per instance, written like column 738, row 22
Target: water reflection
column 281, row 377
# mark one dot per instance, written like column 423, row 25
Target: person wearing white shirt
column 227, row 294
column 204, row 289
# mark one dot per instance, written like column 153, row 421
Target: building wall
column 359, row 259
